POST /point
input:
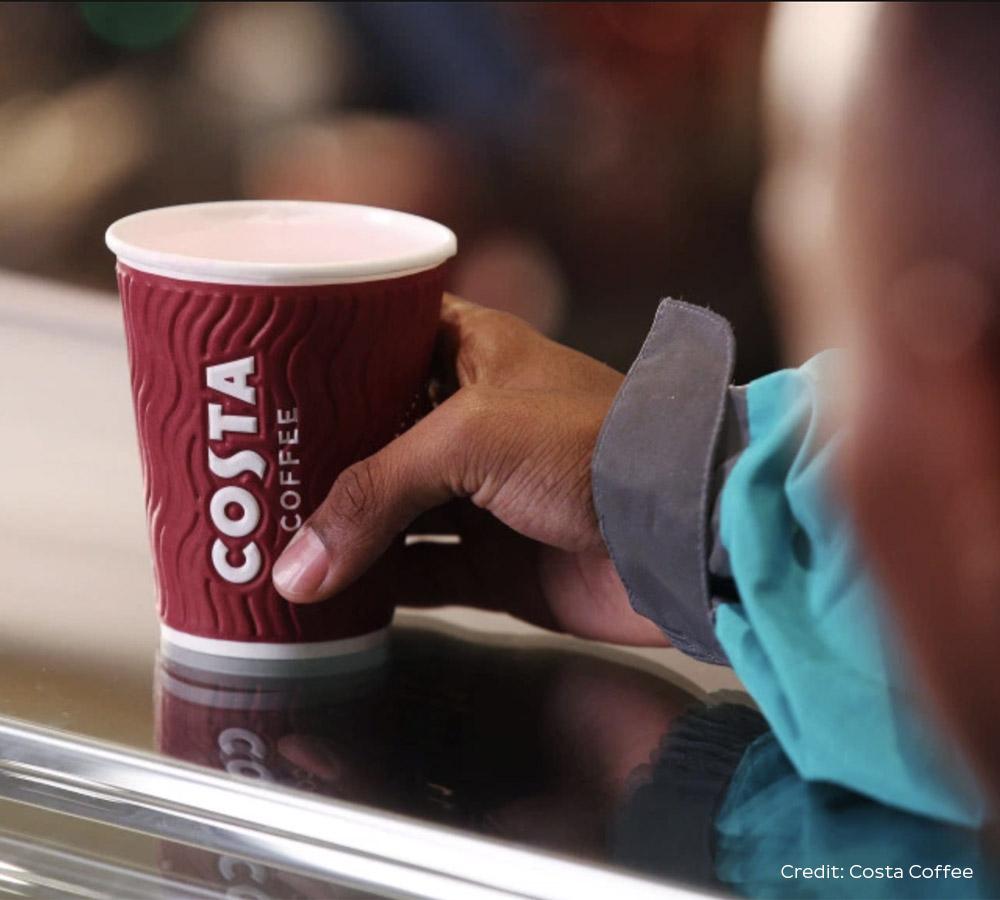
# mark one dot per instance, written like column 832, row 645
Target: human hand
column 512, row 447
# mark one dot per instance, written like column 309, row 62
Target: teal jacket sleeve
column 809, row 636
column 757, row 564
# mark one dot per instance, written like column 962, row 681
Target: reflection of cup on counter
column 271, row 345
column 269, row 728
column 236, row 877
column 242, row 879
column 322, row 733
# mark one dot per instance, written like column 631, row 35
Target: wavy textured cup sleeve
column 249, row 401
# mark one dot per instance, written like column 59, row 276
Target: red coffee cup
column 271, row 345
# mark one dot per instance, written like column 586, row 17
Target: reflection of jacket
column 666, row 826
column 771, row 818
column 714, row 503
column 724, row 806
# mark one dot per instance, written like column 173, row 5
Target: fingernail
column 302, row 567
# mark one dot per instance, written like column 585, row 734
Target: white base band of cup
column 333, row 689
column 260, row 650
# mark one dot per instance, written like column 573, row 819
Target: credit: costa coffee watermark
column 234, row 508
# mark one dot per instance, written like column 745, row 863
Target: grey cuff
column 660, row 461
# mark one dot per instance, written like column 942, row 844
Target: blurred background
column 592, row 158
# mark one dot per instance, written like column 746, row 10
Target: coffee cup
column 271, row 345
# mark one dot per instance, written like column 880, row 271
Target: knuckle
column 490, row 344
column 478, row 358
column 354, row 496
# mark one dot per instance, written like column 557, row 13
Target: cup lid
column 279, row 242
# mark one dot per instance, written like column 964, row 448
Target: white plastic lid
column 281, row 242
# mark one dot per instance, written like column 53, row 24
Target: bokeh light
column 137, row 26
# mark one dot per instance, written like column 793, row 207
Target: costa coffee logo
column 234, row 510
column 243, row 752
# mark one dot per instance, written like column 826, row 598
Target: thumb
column 371, row 502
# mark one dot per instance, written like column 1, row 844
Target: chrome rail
column 358, row 848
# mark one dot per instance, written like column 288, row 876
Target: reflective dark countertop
column 557, row 749
column 484, row 758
